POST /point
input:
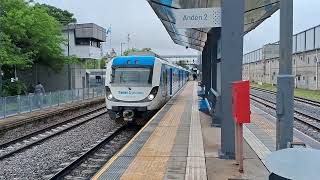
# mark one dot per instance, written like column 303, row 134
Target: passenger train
column 138, row 85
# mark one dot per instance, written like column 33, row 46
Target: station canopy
column 256, row 11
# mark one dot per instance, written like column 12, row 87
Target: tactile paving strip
column 196, row 167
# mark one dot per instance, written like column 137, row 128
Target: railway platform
column 261, row 134
column 179, row 143
column 26, row 118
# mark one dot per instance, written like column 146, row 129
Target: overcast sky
column 135, row 17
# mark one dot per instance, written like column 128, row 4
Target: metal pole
column 69, row 68
column 19, row 104
column 0, row 79
column 203, row 69
column 285, row 80
column 121, row 48
column 317, row 70
column 209, row 62
column 0, row 63
column 5, row 107
column 128, row 41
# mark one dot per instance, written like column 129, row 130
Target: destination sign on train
column 198, row 18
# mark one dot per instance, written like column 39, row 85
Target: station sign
column 198, row 18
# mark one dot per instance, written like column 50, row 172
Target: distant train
column 139, row 85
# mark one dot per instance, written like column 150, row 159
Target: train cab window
column 135, row 76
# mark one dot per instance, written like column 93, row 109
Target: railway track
column 90, row 160
column 298, row 99
column 20, row 144
column 299, row 116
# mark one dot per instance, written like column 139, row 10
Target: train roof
column 141, row 60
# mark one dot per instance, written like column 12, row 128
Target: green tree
column 128, row 51
column 182, row 64
column 63, row 16
column 29, row 35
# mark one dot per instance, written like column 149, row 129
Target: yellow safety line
column 106, row 166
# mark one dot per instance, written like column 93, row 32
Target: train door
column 171, row 81
column 179, row 78
column 164, row 82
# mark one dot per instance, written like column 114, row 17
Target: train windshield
column 132, row 76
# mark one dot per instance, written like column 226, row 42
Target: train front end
column 131, row 87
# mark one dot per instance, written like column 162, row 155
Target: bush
column 14, row 88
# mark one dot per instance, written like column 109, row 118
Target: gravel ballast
column 20, row 131
column 44, row 158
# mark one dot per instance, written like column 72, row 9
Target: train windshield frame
column 132, row 75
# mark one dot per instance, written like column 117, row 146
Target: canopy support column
column 285, row 79
column 231, row 69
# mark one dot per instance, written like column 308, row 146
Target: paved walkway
column 179, row 143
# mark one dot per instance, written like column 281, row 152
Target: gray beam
column 231, row 67
column 285, row 79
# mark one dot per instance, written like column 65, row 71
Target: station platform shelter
column 179, row 142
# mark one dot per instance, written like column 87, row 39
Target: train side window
column 164, row 75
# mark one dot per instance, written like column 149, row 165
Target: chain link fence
column 14, row 105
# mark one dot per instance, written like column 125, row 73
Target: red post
column 241, row 114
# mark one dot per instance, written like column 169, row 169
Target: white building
column 262, row 65
column 84, row 42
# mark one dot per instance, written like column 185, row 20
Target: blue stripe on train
column 139, row 60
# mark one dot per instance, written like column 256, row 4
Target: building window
column 98, row 79
column 298, row 78
column 315, row 60
column 88, row 42
column 315, row 78
column 83, row 42
column 308, row 60
column 294, row 61
column 303, row 78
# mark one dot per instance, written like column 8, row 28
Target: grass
column 304, row 93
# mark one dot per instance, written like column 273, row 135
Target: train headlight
column 110, row 96
column 151, row 97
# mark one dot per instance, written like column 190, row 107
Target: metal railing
column 15, row 105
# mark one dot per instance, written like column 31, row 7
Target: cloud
column 134, row 17
column 306, row 13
